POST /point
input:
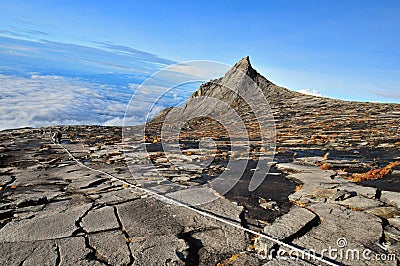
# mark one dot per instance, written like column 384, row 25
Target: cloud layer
column 51, row 83
column 44, row 100
column 310, row 92
column 53, row 100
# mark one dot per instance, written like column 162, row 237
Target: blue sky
column 342, row 49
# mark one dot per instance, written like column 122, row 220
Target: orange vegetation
column 230, row 260
column 324, row 166
column 298, row 187
column 375, row 173
column 251, row 247
column 299, row 203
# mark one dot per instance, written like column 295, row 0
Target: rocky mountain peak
column 244, row 66
column 241, row 79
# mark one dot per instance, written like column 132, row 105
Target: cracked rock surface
column 65, row 214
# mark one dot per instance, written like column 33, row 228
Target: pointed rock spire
column 244, row 65
column 241, row 77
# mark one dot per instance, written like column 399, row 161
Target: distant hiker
column 57, row 137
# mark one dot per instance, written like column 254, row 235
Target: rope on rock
column 304, row 252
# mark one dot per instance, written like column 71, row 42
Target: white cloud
column 177, row 97
column 117, row 121
column 53, row 100
column 40, row 100
column 313, row 92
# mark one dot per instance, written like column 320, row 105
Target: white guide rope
column 112, row 178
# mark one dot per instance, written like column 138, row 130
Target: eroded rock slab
column 29, row 253
column 74, row 251
column 343, row 228
column 111, row 247
column 44, row 225
column 170, row 250
column 100, row 219
column 286, row 228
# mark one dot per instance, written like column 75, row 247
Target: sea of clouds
column 38, row 100
column 46, row 100
column 45, row 83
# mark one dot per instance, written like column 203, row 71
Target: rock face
column 89, row 210
column 236, row 81
column 286, row 228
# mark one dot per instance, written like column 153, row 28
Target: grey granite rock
column 391, row 198
column 44, row 225
column 291, row 223
column 73, row 251
column 111, row 247
column 286, row 228
column 169, row 249
column 395, row 222
column 385, row 212
column 28, row 253
column 360, row 203
column 342, row 228
column 100, row 219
